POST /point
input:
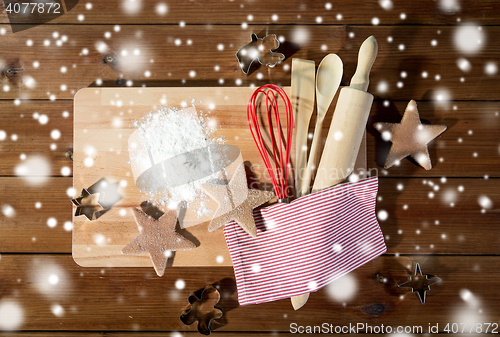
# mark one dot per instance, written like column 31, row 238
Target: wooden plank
column 465, row 226
column 35, row 137
column 168, row 64
column 135, row 299
column 216, row 12
column 470, row 147
column 471, row 129
column 26, row 227
column 435, row 216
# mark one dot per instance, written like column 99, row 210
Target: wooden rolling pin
column 348, row 123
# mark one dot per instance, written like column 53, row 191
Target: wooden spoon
column 302, row 100
column 328, row 78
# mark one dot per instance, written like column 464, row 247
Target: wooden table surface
column 443, row 54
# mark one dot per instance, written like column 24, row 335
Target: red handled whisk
column 278, row 150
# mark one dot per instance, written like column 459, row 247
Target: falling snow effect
column 449, row 196
column 343, row 289
column 469, row 38
column 161, row 8
column 11, row 315
column 485, row 202
column 8, row 211
column 300, row 35
column 382, row 87
column 68, row 226
column 382, row 215
column 49, row 279
column 131, row 7
column 52, row 222
column 35, row 170
column 256, row 268
column 490, row 68
column 449, row 6
column 464, row 64
column 471, row 312
column 442, row 97
column 180, row 284
column 385, row 4
column 57, row 310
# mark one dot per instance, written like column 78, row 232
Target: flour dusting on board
column 178, row 143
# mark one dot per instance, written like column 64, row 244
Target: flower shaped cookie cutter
column 262, row 50
column 203, row 308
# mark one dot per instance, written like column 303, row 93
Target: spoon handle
column 311, row 162
column 302, row 99
column 366, row 56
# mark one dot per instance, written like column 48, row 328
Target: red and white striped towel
column 302, row 246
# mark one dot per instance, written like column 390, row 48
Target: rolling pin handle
column 366, row 57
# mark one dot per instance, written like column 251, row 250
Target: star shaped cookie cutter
column 262, row 50
column 200, row 309
column 87, row 204
column 420, row 283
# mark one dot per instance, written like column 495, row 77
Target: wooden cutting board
column 103, row 122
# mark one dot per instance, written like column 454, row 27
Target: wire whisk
column 276, row 156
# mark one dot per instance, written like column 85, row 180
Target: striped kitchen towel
column 302, row 246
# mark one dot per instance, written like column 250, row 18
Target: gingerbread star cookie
column 158, row 238
column 236, row 202
column 409, row 138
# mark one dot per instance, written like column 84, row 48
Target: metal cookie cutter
column 96, row 200
column 203, row 308
column 88, row 204
column 420, row 283
column 262, row 50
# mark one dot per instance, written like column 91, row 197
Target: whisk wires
column 278, row 153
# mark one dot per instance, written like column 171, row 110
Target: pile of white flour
column 169, row 132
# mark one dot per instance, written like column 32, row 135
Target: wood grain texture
column 429, row 216
column 27, row 229
column 465, row 227
column 468, row 148
column 34, row 138
column 472, row 129
column 194, row 61
column 128, row 299
column 222, row 12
